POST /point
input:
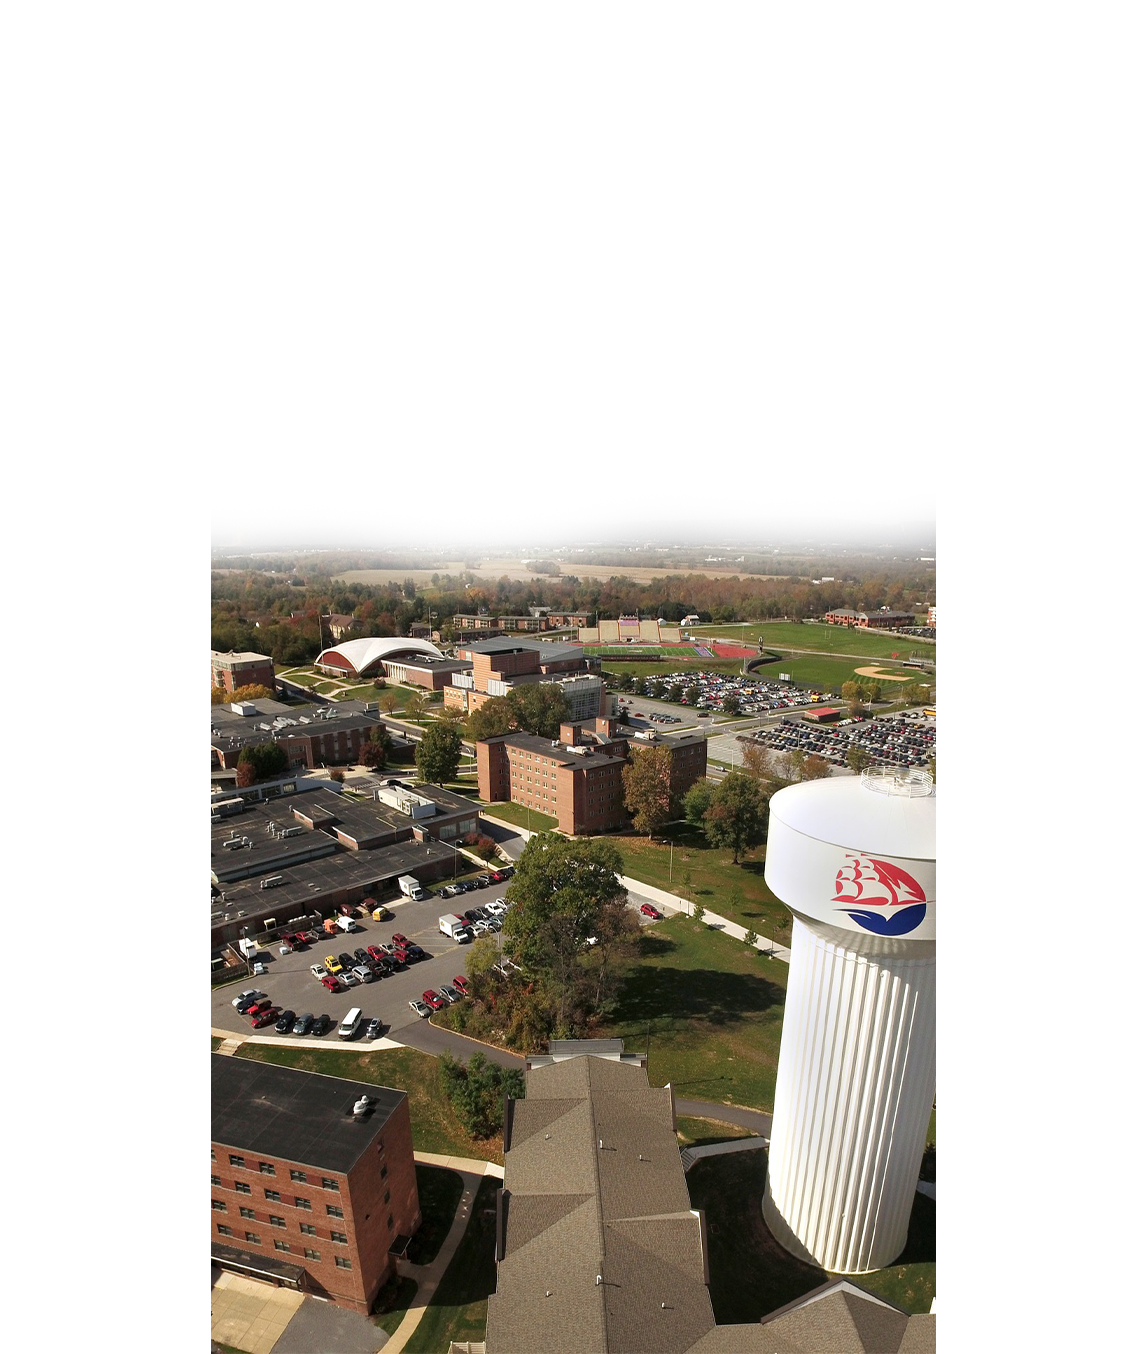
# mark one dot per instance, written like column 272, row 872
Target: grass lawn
column 457, row 1311
column 396, row 1296
column 818, row 637
column 683, row 660
column 439, row 1193
column 434, row 1124
column 215, row 1043
column 519, row 815
column 702, row 1132
column 706, row 875
column 752, row 1275
column 710, row 1010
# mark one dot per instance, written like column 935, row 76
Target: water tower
column 854, row 859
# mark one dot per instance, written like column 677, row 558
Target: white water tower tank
column 854, row 859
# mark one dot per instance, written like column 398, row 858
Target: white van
column 349, row 1026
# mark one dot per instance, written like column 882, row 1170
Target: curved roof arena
column 360, row 654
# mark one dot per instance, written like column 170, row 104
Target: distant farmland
column 490, row 570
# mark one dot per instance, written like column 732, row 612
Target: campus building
column 883, row 619
column 233, row 670
column 576, row 778
column 474, row 625
column 395, row 658
column 283, row 862
column 496, row 666
column 306, row 1192
column 597, row 1244
column 312, row 736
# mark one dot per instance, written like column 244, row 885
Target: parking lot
column 890, row 740
column 290, row 985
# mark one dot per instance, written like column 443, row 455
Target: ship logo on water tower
column 878, row 883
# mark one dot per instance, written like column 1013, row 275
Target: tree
column 735, row 816
column 816, row 767
column 539, row 708
column 477, row 1091
column 561, row 893
column 692, row 693
column 675, row 692
column 858, row 759
column 492, row 718
column 438, row 754
column 416, row 707
column 266, row 761
column 377, row 748
column 731, row 704
column 697, row 799
column 850, row 691
column 389, row 703
column 647, row 781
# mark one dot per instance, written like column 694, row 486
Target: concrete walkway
column 429, row 1276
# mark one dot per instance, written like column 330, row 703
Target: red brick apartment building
column 232, row 670
column 577, row 777
column 498, row 665
column 870, row 620
column 305, row 1193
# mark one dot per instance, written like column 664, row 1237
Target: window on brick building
column 215, row 1180
column 265, row 1168
column 237, row 1161
column 385, row 1170
column 390, row 1222
column 240, row 1188
column 219, row 1205
column 253, row 1238
column 340, row 1237
column 273, row 1195
column 311, row 1255
column 307, row 1230
column 328, row 1183
column 302, row 1203
column 342, row 1262
column 277, row 1222
column 212, row 1154
column 224, row 1230
column 282, row 1246
column 386, row 1197
column 247, row 1213
column 300, row 1176
column 333, row 1211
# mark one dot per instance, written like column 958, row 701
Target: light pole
column 670, row 862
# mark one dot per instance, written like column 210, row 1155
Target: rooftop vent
column 361, row 1106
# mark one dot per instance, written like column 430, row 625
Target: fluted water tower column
column 854, row 860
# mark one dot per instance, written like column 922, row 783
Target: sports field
column 817, row 637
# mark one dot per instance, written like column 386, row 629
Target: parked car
column 254, row 1007
column 376, row 952
column 650, row 911
column 321, row 1025
column 483, row 881
column 303, row 1023
column 261, row 1018
column 348, row 978
column 363, row 973
column 285, row 1021
column 420, row 1008
column 373, row 1029
column 318, row 970
column 416, row 952
column 361, row 955
column 462, row 984
column 251, row 994
column 331, row 983
column 451, row 994
column 432, row 1000
column 332, row 964
column 397, row 939
column 346, row 960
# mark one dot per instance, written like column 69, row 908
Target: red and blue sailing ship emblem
column 865, row 883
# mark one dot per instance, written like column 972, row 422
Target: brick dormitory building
column 496, row 666
column 576, row 778
column 306, row 1193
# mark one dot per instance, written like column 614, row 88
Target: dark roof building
column 305, row 1191
column 599, row 1250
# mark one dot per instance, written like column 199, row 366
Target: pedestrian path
column 670, row 902
column 429, row 1276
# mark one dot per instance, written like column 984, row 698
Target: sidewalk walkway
column 429, row 1276
column 672, row 903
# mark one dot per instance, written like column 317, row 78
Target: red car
column 397, row 939
column 261, row 1018
column 376, row 952
column 432, row 1000
column 301, row 938
column 331, row 983
column 650, row 911
column 462, row 985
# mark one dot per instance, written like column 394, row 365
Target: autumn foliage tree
column 647, row 781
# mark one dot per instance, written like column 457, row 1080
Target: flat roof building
column 305, row 1192
column 233, row 670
